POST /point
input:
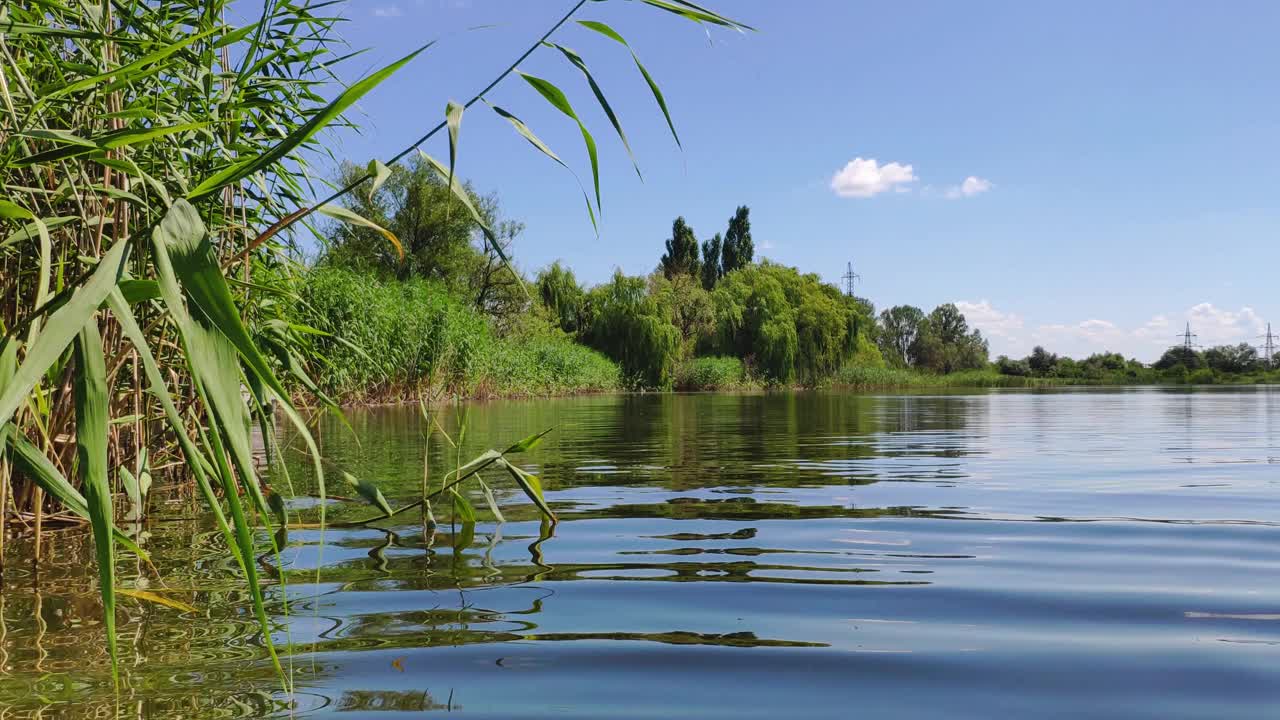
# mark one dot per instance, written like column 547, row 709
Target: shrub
column 711, row 373
column 1203, row 376
column 391, row 339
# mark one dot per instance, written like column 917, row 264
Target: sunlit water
column 1003, row 554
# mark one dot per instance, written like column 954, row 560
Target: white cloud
column 972, row 185
column 1210, row 324
column 1157, row 328
column 1083, row 338
column 1000, row 328
column 1215, row 326
column 387, row 11
column 864, row 178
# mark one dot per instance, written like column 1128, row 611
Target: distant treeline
column 1179, row 365
column 453, row 316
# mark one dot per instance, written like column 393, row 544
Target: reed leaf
column 379, row 174
column 531, row 486
column 535, row 141
column 612, row 34
column 556, row 97
column 577, row 61
column 453, row 117
column 62, row 327
column 369, row 492
column 337, row 212
column 321, row 119
column 92, row 401
column 528, row 443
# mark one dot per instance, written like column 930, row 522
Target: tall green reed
column 144, row 148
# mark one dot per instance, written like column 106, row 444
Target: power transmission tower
column 1188, row 340
column 1268, row 347
column 848, row 277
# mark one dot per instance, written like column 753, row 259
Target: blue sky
column 1085, row 176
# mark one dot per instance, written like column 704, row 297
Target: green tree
column 627, row 324
column 738, row 250
column 788, row 324
column 562, row 296
column 712, row 269
column 1182, row 356
column 949, row 323
column 681, row 257
column 1041, row 361
column 413, row 203
column 945, row 344
column 1240, row 358
column 899, row 327
column 689, row 307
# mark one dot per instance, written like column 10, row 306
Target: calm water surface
column 1003, row 554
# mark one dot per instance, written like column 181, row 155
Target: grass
column 713, row 373
column 395, row 340
column 870, row 378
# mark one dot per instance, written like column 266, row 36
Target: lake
column 1083, row 553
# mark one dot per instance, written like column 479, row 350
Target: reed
column 154, row 160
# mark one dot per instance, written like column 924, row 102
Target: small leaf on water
column 158, row 599
column 493, row 503
column 531, row 486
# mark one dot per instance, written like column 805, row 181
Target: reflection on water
column 1057, row 554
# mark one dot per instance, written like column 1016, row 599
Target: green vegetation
column 713, row 373
column 389, row 340
column 1230, row 364
column 154, row 160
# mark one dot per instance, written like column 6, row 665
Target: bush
column 712, row 373
column 392, row 339
column 1203, row 376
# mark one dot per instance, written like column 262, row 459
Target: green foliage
column 790, row 325
column 1240, row 358
column 139, row 120
column 391, row 339
column 712, row 373
column 687, row 304
column 1203, row 376
column 1180, row 356
column 944, row 343
column 712, row 269
column 563, row 297
column 883, row 378
column 738, row 250
column 899, row 328
column 681, row 257
column 630, row 326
